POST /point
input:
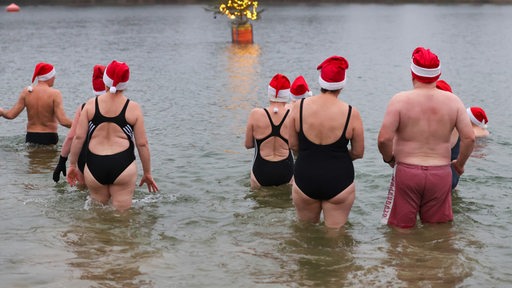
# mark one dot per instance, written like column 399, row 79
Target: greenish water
column 206, row 228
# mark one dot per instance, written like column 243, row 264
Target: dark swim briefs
column 42, row 138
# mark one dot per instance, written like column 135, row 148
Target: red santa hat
column 98, row 87
column 443, row 85
column 299, row 89
column 116, row 76
column 477, row 116
column 425, row 66
column 332, row 73
column 42, row 72
column 279, row 88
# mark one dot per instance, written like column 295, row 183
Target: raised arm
column 18, row 106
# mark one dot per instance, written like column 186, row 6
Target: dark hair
column 323, row 90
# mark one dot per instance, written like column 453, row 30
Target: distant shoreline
column 262, row 3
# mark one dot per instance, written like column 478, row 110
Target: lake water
column 206, row 228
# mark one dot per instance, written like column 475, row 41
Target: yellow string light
column 240, row 9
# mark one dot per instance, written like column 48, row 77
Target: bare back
column 258, row 127
column 323, row 119
column 108, row 138
column 424, row 119
column 44, row 109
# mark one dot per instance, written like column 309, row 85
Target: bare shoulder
column 55, row 92
column 133, row 105
column 256, row 112
column 355, row 112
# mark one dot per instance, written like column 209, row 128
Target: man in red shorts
column 414, row 139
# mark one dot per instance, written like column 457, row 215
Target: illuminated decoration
column 239, row 12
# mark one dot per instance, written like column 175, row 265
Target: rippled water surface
column 206, row 228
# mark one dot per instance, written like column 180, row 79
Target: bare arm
column 249, row 138
column 467, row 139
column 357, row 141
column 293, row 126
column 18, row 106
column 73, row 174
column 141, row 141
column 387, row 132
column 59, row 110
column 81, row 127
column 66, row 146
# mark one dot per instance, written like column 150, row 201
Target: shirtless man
column 44, row 107
column 415, row 134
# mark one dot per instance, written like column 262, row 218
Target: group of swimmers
column 103, row 135
column 298, row 139
column 305, row 143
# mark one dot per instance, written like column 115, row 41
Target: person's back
column 42, row 105
column 415, row 140
column 323, row 120
column 112, row 123
column 267, row 132
column 273, row 148
column 321, row 131
column 423, row 136
column 108, row 137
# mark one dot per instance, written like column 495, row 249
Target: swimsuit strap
column 272, row 122
column 300, row 116
column 123, row 111
column 276, row 129
column 346, row 122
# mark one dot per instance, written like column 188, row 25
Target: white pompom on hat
column 116, row 76
column 299, row 89
column 98, row 87
column 332, row 73
column 42, row 72
column 279, row 88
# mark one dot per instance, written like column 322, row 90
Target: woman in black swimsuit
column 113, row 125
column 267, row 132
column 321, row 129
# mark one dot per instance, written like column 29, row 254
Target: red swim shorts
column 418, row 189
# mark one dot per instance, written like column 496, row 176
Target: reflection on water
column 110, row 247
column 41, row 158
column 196, row 90
column 243, row 65
column 322, row 257
column 274, row 197
column 427, row 256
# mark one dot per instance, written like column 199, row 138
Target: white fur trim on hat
column 97, row 93
column 474, row 120
column 109, row 82
column 425, row 72
column 331, row 85
column 282, row 95
column 46, row 76
column 298, row 97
